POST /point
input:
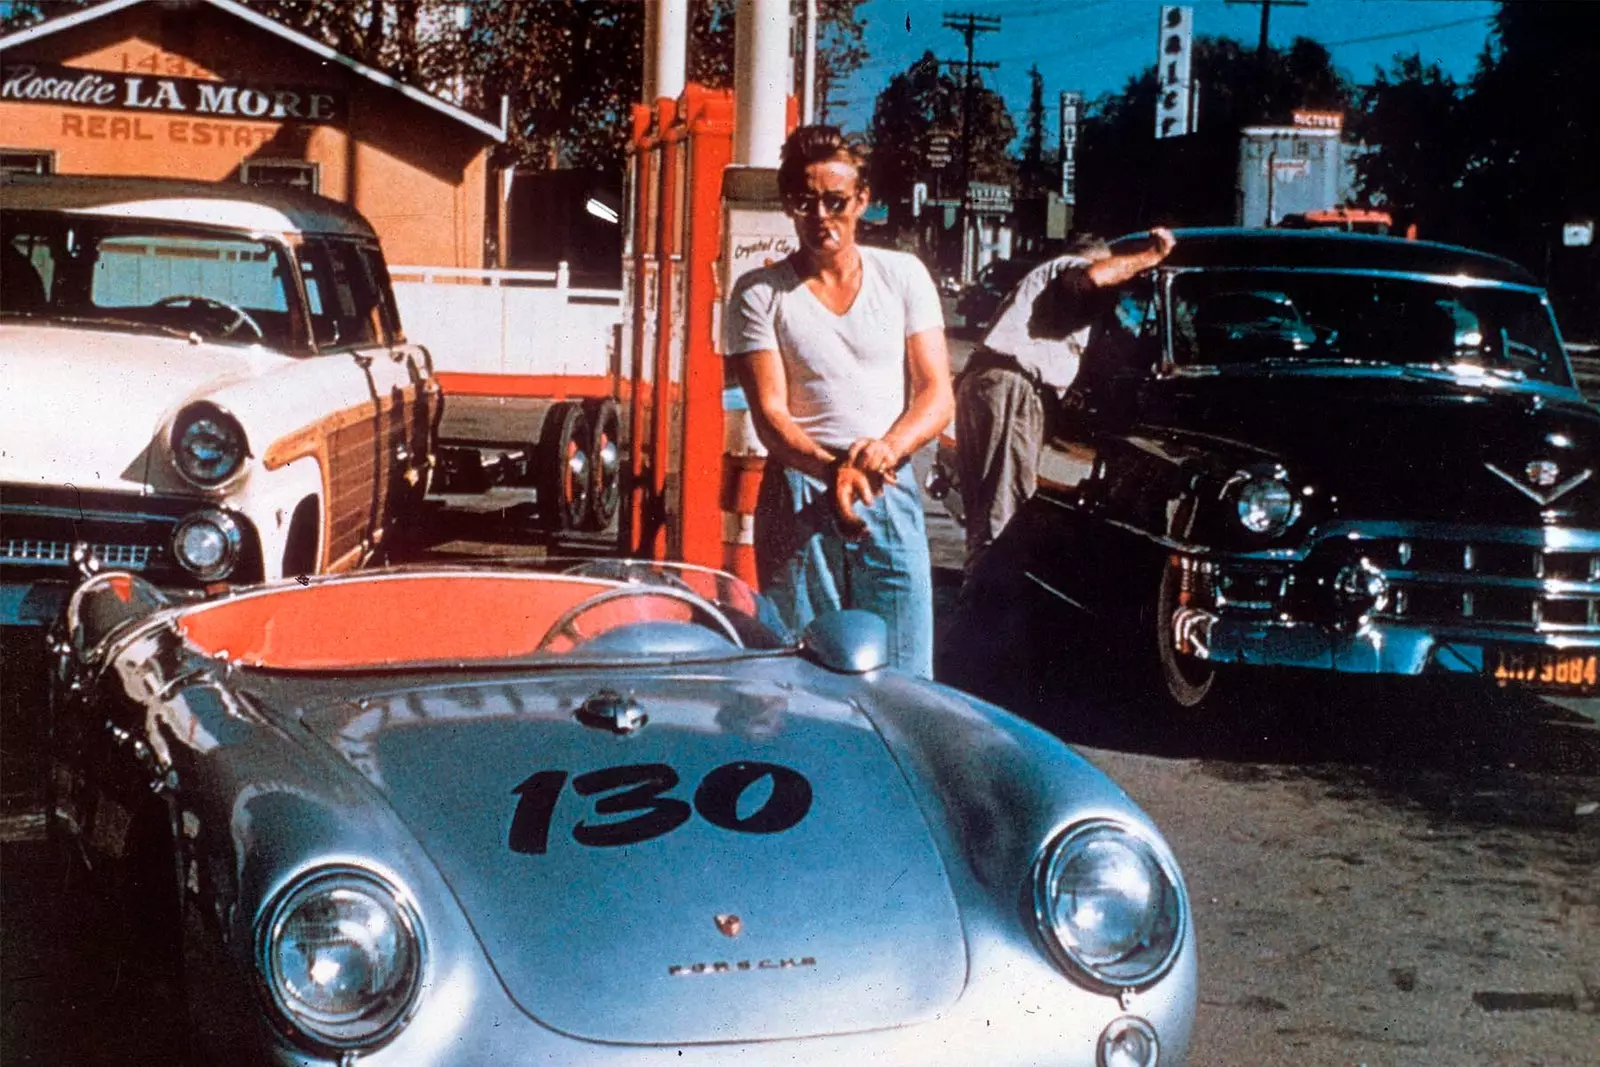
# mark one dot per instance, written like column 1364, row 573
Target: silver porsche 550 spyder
column 610, row 813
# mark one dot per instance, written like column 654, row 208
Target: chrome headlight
column 341, row 954
column 1108, row 906
column 208, row 445
column 1265, row 505
column 206, row 543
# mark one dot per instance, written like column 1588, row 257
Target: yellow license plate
column 1539, row 668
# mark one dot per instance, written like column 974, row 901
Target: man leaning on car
column 1015, row 378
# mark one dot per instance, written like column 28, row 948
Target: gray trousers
column 1000, row 422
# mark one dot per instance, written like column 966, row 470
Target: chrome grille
column 18, row 550
column 1485, row 582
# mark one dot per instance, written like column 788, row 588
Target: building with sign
column 212, row 90
column 1299, row 169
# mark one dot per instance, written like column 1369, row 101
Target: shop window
column 294, row 173
column 27, row 161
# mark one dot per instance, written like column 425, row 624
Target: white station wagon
column 203, row 384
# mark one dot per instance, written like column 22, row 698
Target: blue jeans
column 807, row 566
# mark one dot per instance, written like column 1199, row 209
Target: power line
column 1408, row 33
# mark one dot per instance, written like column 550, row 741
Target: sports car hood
column 749, row 864
column 1404, row 446
column 83, row 405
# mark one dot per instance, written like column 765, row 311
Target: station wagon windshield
column 1222, row 317
column 141, row 274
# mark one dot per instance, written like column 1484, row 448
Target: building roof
column 54, row 26
column 1328, row 250
column 258, row 209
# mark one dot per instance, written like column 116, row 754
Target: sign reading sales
column 48, row 83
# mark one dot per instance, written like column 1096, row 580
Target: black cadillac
column 1339, row 452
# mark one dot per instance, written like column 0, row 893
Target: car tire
column 1181, row 682
column 605, row 464
column 563, row 479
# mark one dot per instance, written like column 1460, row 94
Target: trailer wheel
column 605, row 463
column 563, row 466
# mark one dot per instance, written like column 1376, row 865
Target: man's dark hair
column 816, row 144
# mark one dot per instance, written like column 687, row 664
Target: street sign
column 1174, row 116
column 1071, row 106
column 938, row 154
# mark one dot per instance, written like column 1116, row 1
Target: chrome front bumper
column 1401, row 599
column 1377, row 648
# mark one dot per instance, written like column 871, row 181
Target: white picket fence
column 508, row 321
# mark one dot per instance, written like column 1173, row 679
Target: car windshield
column 144, row 274
column 1248, row 316
column 589, row 611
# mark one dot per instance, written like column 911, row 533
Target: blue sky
column 1094, row 46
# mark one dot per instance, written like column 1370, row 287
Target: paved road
column 1380, row 875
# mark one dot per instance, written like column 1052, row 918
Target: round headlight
column 206, row 543
column 1108, row 906
column 208, row 445
column 342, row 958
column 1266, row 506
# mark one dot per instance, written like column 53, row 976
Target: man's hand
column 1163, row 241
column 852, row 485
column 873, row 455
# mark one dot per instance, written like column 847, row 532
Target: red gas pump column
column 638, row 326
column 678, row 153
column 707, row 121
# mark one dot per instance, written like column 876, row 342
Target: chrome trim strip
column 77, row 514
column 1459, row 281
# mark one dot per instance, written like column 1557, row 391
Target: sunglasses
column 832, row 203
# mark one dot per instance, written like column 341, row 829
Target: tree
column 1411, row 117
column 1534, row 113
column 919, row 103
column 20, row 14
column 1034, row 172
column 571, row 69
column 1130, row 180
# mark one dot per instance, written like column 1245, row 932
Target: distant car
column 610, row 814
column 204, row 383
column 1331, row 452
column 979, row 301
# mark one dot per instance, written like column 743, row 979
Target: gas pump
column 697, row 224
column 678, row 154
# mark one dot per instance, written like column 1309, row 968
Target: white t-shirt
column 1041, row 324
column 846, row 373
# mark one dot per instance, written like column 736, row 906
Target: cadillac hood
column 1406, row 447
column 83, row 406
column 749, row 864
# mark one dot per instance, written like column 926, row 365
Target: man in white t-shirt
column 840, row 350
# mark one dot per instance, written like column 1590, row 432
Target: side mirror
column 848, row 641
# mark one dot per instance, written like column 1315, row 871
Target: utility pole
column 1266, row 22
column 1261, row 42
column 968, row 26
